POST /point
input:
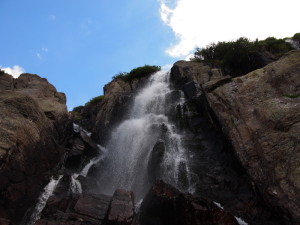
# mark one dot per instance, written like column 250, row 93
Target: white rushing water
column 75, row 187
column 131, row 143
column 48, row 191
column 75, row 183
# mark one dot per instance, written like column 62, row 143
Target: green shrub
column 296, row 36
column 276, row 46
column 94, row 101
column 238, row 57
column 138, row 72
column 292, row 95
column 78, row 108
column 2, row 72
column 119, row 75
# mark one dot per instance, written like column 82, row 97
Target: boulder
column 155, row 160
column 4, row 222
column 75, row 209
column 165, row 205
column 260, row 115
column 93, row 209
column 188, row 75
column 121, row 211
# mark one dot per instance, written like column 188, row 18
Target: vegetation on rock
column 240, row 57
column 138, row 72
column 94, row 101
column 2, row 72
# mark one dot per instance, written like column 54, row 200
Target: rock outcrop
column 89, row 209
column 260, row 115
column 33, row 126
column 166, row 205
column 112, row 109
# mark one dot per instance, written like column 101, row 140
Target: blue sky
column 79, row 45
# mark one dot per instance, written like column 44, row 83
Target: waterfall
column 132, row 143
column 75, row 183
column 36, row 212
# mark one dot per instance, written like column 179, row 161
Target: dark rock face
column 31, row 144
column 188, row 75
column 4, row 222
column 89, row 209
column 260, row 114
column 75, row 209
column 221, row 177
column 121, row 210
column 165, row 205
column 155, row 161
column 103, row 117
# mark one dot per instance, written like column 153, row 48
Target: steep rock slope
column 33, row 126
column 104, row 116
column 260, row 114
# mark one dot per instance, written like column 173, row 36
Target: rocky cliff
column 33, row 126
column 259, row 115
column 102, row 117
column 242, row 136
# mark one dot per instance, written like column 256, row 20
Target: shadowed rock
column 121, row 210
column 165, row 205
column 31, row 144
column 154, row 163
column 260, row 115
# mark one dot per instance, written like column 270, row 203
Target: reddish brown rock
column 94, row 206
column 121, row 210
column 76, row 209
column 166, row 205
column 4, row 222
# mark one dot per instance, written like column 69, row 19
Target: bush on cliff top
column 94, row 101
column 238, row 57
column 2, row 72
column 138, row 72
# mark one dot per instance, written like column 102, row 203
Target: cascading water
column 36, row 212
column 133, row 141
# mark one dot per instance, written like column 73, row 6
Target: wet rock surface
column 156, row 158
column 121, row 211
column 89, row 209
column 103, row 117
column 166, row 205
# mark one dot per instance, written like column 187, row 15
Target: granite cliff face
column 32, row 129
column 259, row 115
column 104, row 116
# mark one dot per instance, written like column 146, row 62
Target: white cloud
column 45, row 49
column 197, row 23
column 15, row 71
